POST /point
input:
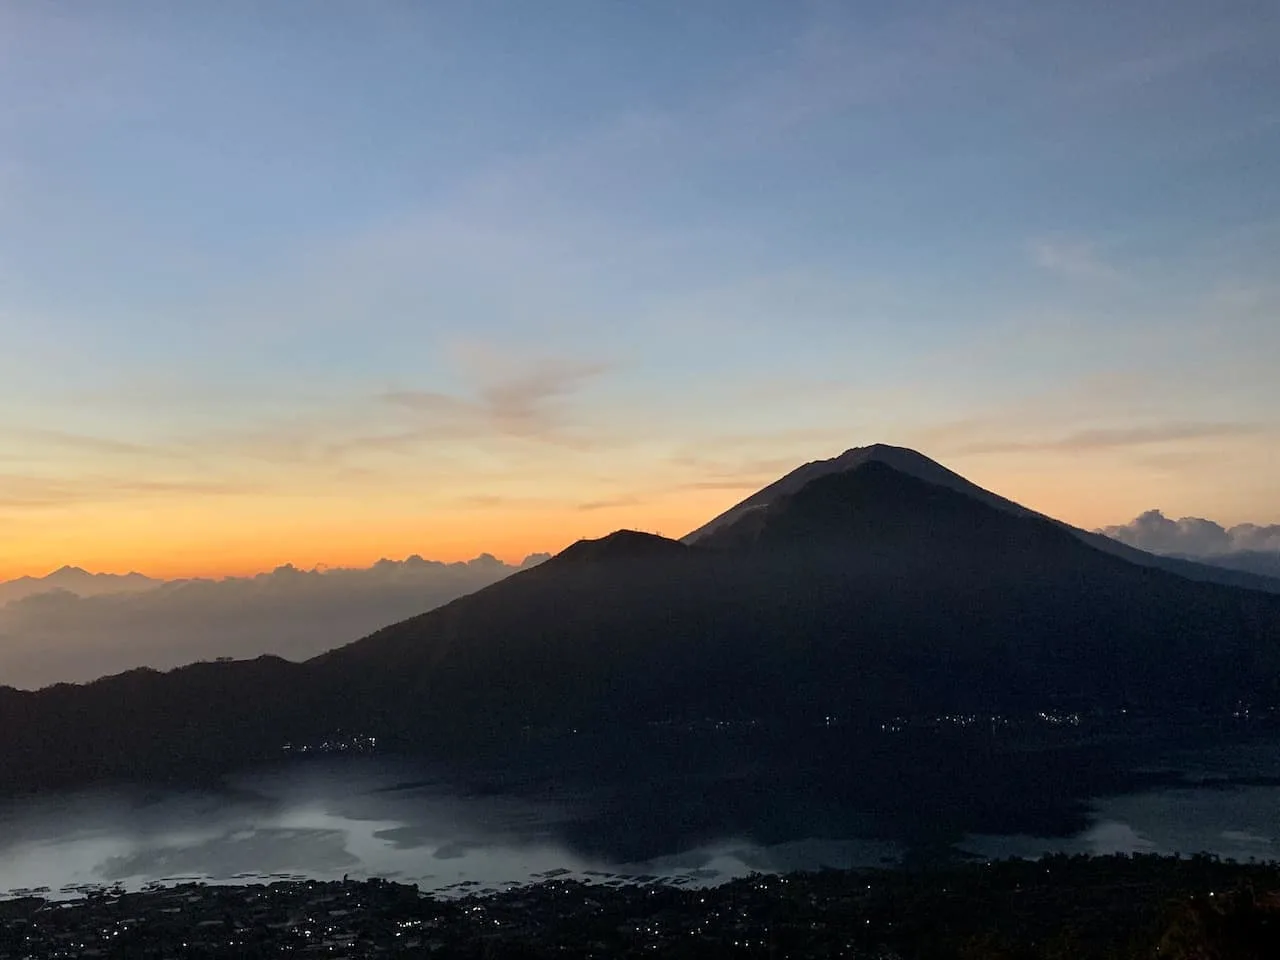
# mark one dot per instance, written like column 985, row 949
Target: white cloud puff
column 1194, row 536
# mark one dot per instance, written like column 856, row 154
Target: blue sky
column 384, row 275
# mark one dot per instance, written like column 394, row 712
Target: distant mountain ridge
column 75, row 626
column 864, row 590
column 74, row 580
column 1261, row 563
column 82, row 583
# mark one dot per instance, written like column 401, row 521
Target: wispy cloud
column 724, row 467
column 1139, row 65
column 511, row 399
column 33, row 491
column 485, row 500
column 1159, row 433
column 743, row 484
column 95, row 446
column 339, row 436
column 609, row 503
column 1075, row 259
column 1117, row 437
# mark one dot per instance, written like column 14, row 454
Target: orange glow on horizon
column 240, row 536
column 185, row 540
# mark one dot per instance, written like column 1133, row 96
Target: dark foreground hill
column 865, row 593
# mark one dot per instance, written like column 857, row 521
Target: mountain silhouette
column 912, row 463
column 74, row 580
column 873, row 585
column 619, row 545
column 866, row 590
column 901, row 459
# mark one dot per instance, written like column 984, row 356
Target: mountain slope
column 866, row 592
column 144, row 724
column 917, row 465
column 901, row 459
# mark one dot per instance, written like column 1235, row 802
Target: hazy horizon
column 1185, row 539
column 83, row 631
column 76, row 625
column 286, row 567
column 1149, row 530
column 1152, row 530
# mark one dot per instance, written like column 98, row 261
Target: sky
column 314, row 282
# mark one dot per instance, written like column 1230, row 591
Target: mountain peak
column 876, row 451
column 874, row 505
column 67, row 570
column 914, row 464
column 76, row 580
column 619, row 545
column 901, row 459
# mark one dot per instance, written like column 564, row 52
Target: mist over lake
column 361, row 818
column 379, row 817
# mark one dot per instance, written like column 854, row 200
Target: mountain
column 866, row 591
column 76, row 581
column 901, row 459
column 1237, row 574
column 1262, row 563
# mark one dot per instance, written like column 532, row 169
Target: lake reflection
column 1230, row 807
column 1240, row 823
column 366, row 817
column 360, row 818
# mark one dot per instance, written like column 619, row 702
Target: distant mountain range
column 74, row 580
column 1261, row 563
column 76, row 626
column 875, row 584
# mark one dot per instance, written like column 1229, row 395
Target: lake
column 365, row 817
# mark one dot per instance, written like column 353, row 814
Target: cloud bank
column 1246, row 546
column 73, row 626
column 1194, row 536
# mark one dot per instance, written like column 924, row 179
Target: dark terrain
column 862, row 594
column 1058, row 908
